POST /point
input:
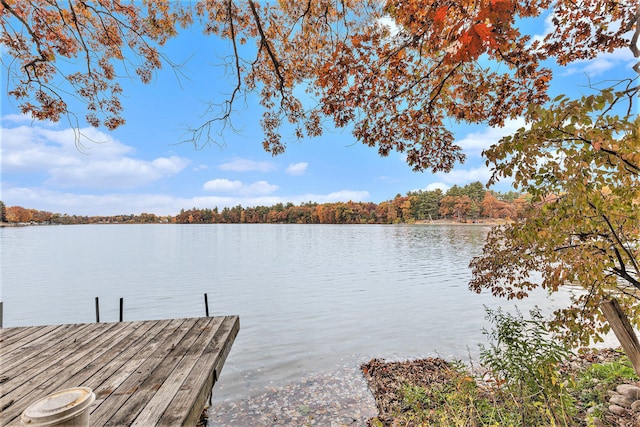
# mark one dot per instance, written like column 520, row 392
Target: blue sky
column 143, row 167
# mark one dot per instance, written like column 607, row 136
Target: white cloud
column 475, row 142
column 620, row 58
column 245, row 165
column 97, row 160
column 222, row 185
column 270, row 200
column 25, row 149
column 438, row 186
column 117, row 173
column 93, row 204
column 604, row 62
column 390, row 23
column 465, row 176
column 258, row 188
column 25, row 119
column 169, row 165
column 297, row 168
column 549, row 27
column 462, row 177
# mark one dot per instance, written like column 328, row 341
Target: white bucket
column 68, row 407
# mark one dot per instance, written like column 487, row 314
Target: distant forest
column 470, row 203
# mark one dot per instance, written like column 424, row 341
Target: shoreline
column 480, row 222
column 387, row 381
column 364, row 395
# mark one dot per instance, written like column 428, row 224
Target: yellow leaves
column 582, row 237
column 633, row 158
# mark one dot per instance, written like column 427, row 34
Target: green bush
column 523, row 358
column 523, row 387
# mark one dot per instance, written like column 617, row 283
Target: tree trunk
column 624, row 331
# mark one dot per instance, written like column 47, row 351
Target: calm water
column 311, row 298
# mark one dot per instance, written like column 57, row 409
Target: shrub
column 523, row 358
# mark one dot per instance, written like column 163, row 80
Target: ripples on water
column 312, row 299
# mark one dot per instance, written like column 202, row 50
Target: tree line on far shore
column 469, row 203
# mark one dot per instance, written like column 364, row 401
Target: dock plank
column 94, row 356
column 35, row 338
column 36, row 356
column 201, row 377
column 152, row 411
column 12, row 336
column 115, row 411
column 95, row 373
column 111, row 377
column 143, row 373
column 51, row 374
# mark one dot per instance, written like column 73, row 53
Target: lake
column 314, row 301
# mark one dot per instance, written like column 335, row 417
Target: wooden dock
column 148, row 373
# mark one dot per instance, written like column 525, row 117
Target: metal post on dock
column 206, row 305
column 121, row 304
column 97, row 311
column 1, row 314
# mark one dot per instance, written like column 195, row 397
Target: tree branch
column 265, row 43
column 622, row 269
column 34, row 37
column 633, row 45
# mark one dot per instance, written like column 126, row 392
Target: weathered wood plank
column 155, row 407
column 109, row 393
column 37, row 356
column 141, row 372
column 160, row 365
column 95, row 358
column 113, row 406
column 193, row 396
column 9, row 336
column 77, row 353
column 106, row 365
column 106, row 381
column 40, row 338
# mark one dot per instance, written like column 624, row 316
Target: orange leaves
column 501, row 9
column 399, row 89
column 357, row 39
column 474, row 42
column 484, row 33
column 37, row 33
column 470, row 46
column 440, row 15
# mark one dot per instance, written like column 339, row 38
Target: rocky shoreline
column 356, row 397
column 386, row 380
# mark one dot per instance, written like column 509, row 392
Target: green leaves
column 523, row 358
column 579, row 160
